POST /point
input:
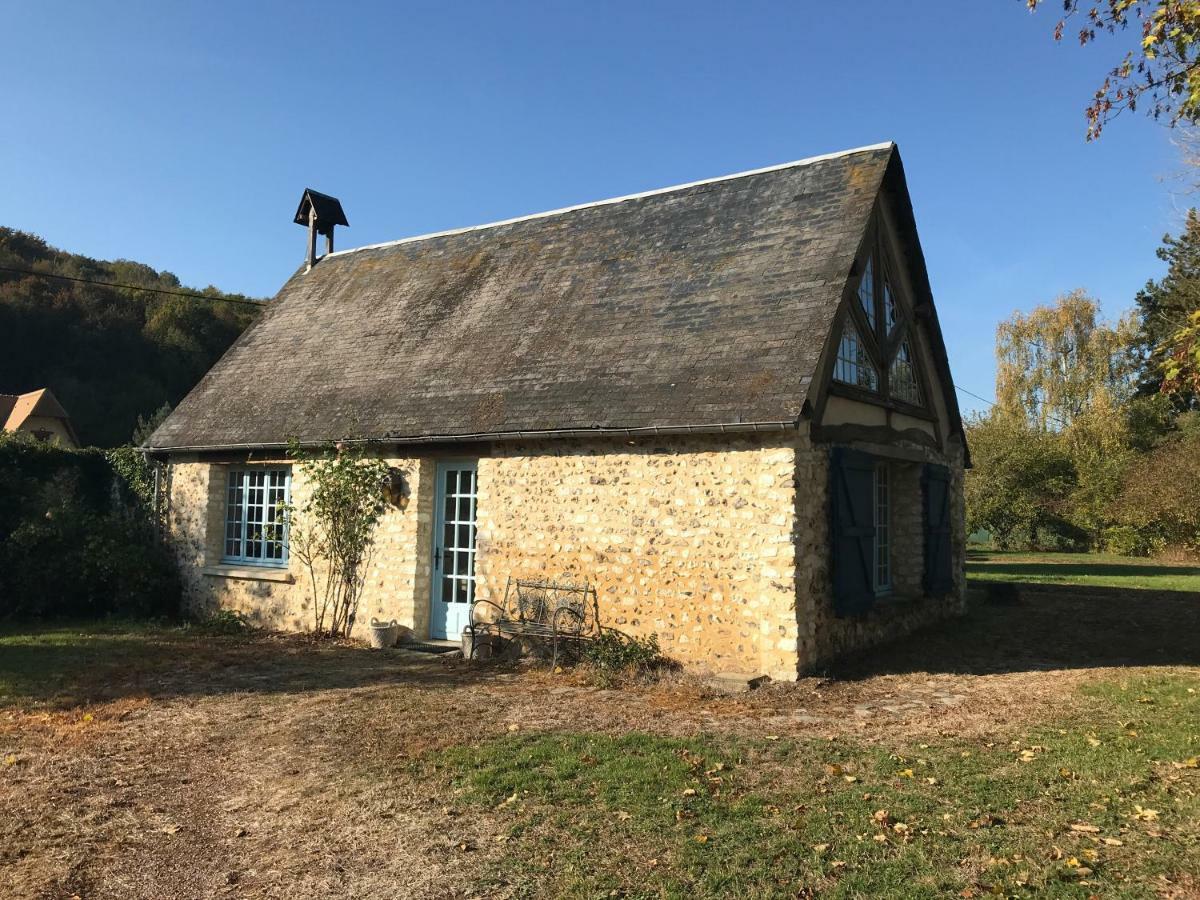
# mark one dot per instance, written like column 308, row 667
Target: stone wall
column 823, row 635
column 397, row 582
column 689, row 538
column 718, row 544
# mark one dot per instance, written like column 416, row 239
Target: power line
column 991, row 403
column 134, row 287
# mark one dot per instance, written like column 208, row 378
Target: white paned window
column 255, row 523
column 866, row 291
column 853, row 366
column 902, row 376
column 883, row 545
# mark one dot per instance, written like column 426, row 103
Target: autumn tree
column 1168, row 320
column 1059, row 361
column 1160, row 73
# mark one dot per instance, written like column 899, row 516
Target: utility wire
column 134, row 287
column 992, row 403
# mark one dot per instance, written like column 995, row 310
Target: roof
column 699, row 307
column 15, row 409
column 328, row 210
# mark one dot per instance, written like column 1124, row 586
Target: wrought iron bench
column 559, row 611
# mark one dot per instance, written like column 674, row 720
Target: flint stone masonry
column 689, row 539
column 717, row 544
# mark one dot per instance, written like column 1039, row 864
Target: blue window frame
column 255, row 520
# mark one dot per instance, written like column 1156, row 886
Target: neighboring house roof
column 15, row 409
column 699, row 307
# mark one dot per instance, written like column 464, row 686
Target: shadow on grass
column 1050, row 627
column 56, row 667
column 980, row 567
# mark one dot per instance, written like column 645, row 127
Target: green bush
column 75, row 539
column 614, row 655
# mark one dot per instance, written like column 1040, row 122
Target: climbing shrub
column 332, row 533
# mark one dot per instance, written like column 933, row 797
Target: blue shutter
column 939, row 559
column 851, row 504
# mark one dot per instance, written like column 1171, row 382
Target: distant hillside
column 110, row 355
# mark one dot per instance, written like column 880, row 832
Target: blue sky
column 181, row 135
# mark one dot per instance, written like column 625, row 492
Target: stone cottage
column 727, row 405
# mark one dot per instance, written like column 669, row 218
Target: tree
column 1162, row 73
column 109, row 354
column 1181, row 364
column 1059, row 361
column 1166, row 311
column 1159, row 515
column 1019, row 482
column 332, row 532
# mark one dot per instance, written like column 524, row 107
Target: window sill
column 250, row 573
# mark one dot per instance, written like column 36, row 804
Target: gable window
column 255, row 521
column 875, row 347
column 853, row 365
column 902, row 376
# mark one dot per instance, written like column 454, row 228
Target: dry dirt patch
column 272, row 768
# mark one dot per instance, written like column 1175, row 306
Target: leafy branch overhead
column 1161, row 73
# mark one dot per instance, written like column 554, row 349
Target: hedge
column 76, row 534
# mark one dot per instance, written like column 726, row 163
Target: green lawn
column 1096, row 569
column 1108, row 806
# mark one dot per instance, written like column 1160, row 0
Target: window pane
column 852, row 365
column 883, row 562
column 447, row 590
column 889, row 306
column 902, row 376
column 866, row 291
column 255, row 524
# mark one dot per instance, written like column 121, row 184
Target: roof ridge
column 611, row 200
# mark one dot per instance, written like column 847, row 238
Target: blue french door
column 453, row 549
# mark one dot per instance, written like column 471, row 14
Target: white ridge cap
column 652, row 193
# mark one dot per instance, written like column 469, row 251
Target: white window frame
column 881, row 563
column 239, row 512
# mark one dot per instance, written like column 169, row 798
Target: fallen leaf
column 905, row 773
column 1094, row 742
column 624, row 816
column 772, row 737
column 820, row 848
column 170, row 829
column 931, row 781
column 850, row 779
column 1113, row 842
column 87, row 717
column 702, row 839
column 1146, row 815
column 11, row 759
column 1192, row 762
column 882, row 816
column 833, row 769
column 1084, row 827
column 514, row 727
